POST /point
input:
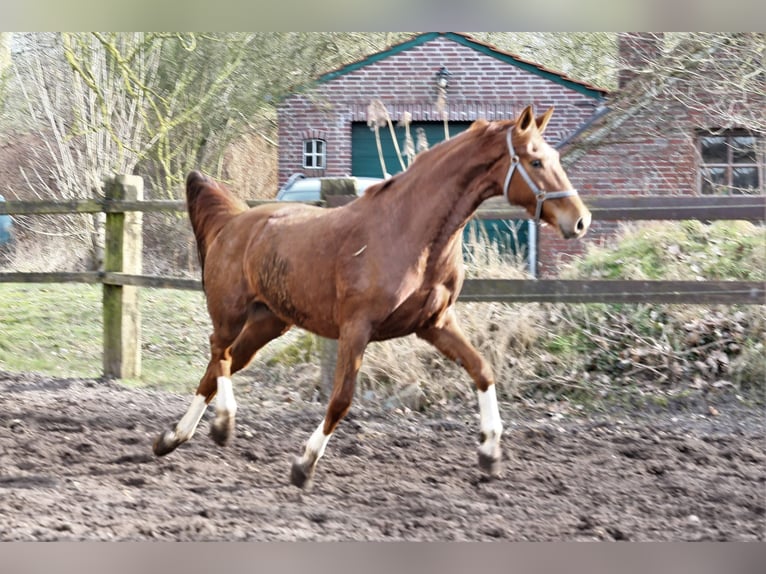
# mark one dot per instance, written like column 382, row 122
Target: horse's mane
column 433, row 156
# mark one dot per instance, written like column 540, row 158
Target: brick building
column 691, row 129
column 643, row 145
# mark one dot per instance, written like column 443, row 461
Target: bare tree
column 154, row 103
column 193, row 94
column 719, row 76
column 710, row 81
column 586, row 56
column 87, row 134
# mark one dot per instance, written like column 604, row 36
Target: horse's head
column 536, row 181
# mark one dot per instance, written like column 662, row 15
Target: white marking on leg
column 315, row 445
column 491, row 425
column 225, row 404
column 188, row 424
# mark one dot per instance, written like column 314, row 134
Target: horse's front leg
column 449, row 339
column 351, row 345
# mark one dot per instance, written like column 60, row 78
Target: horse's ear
column 525, row 122
column 543, row 120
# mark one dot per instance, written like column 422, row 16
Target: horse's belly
column 297, row 299
column 422, row 308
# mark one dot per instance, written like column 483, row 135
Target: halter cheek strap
column 540, row 194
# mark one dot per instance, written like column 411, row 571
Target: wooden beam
column 110, row 278
column 651, row 207
column 488, row 290
column 14, row 207
column 614, row 291
column 58, row 277
column 144, row 206
column 637, row 207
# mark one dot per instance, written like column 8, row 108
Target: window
column 731, row 163
column 314, row 154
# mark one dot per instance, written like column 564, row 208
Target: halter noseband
column 540, row 194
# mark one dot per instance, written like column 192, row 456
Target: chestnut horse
column 386, row 265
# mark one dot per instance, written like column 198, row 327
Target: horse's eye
column 536, row 163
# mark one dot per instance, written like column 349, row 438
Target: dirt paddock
column 76, row 464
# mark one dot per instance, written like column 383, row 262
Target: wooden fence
column 123, row 205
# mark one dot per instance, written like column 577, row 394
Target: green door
column 365, row 160
column 510, row 236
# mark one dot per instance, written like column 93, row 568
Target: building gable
column 486, row 49
column 484, row 82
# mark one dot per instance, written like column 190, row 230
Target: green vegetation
column 725, row 250
column 303, row 348
column 656, row 352
column 591, row 354
column 56, row 329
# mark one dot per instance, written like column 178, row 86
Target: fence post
column 328, row 355
column 337, row 191
column 122, row 254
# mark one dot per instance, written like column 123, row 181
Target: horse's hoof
column 301, row 475
column 165, row 443
column 221, row 431
column 489, row 464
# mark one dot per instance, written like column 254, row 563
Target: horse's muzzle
column 577, row 228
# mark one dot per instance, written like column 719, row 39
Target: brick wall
column 480, row 86
column 638, row 158
column 637, row 51
column 652, row 153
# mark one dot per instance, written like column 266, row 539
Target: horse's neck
column 432, row 214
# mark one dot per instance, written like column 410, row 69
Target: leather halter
column 540, row 194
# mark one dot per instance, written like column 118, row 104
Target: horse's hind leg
column 449, row 339
column 169, row 440
column 262, row 326
column 228, row 355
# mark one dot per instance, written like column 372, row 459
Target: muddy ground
column 76, row 464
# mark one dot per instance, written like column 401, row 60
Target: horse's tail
column 211, row 206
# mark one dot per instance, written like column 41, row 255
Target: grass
column 57, row 329
column 722, row 250
column 54, row 329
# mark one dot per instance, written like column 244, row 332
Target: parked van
column 301, row 188
column 6, row 226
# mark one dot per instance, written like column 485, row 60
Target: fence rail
column 119, row 279
column 607, row 208
column 487, row 290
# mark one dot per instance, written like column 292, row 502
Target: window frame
column 314, row 153
column 727, row 135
